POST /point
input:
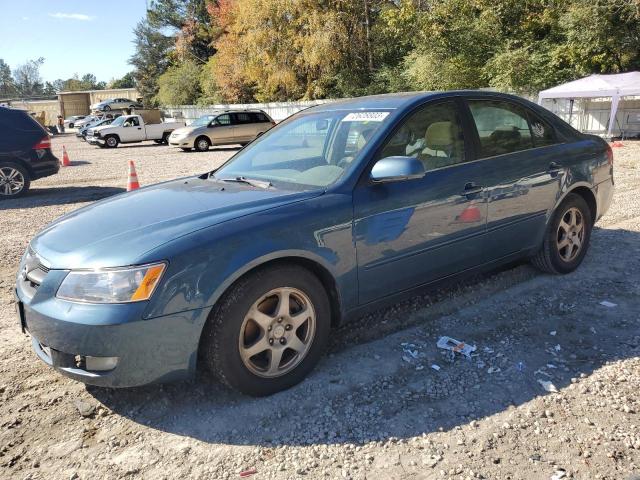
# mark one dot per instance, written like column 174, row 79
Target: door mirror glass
column 396, row 169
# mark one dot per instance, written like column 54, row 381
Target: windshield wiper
column 248, row 181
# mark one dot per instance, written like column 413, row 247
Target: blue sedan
column 244, row 271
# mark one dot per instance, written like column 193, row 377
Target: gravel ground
column 375, row 407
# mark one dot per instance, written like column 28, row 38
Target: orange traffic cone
column 470, row 214
column 132, row 182
column 65, row 157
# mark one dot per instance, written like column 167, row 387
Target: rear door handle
column 471, row 188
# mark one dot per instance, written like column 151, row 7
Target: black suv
column 25, row 152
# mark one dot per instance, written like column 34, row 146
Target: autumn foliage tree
column 277, row 50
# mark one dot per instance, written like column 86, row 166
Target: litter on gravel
column 606, row 303
column 456, row 346
column 548, row 386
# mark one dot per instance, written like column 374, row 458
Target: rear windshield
column 19, row 130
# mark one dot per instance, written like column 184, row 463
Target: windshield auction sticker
column 365, row 117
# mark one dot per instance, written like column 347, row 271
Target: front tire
column 268, row 331
column 566, row 239
column 111, row 141
column 14, row 180
column 202, row 144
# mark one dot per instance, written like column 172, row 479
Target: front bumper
column 604, row 196
column 95, row 140
column 148, row 350
column 182, row 142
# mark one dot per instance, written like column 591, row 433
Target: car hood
column 186, row 130
column 117, row 231
column 102, row 127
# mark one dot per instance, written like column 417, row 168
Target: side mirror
column 322, row 125
column 397, row 169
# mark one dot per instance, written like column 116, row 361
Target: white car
column 115, row 104
column 71, row 121
column 85, row 121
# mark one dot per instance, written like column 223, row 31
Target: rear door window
column 541, row 132
column 243, row 118
column 502, row 127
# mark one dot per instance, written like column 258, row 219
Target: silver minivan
column 225, row 127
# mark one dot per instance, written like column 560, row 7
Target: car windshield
column 118, row 121
column 202, row 121
column 309, row 150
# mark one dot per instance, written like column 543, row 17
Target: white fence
column 277, row 110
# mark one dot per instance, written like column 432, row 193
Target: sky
column 73, row 36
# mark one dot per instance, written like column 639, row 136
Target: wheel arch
column 315, row 266
column 586, row 192
column 22, row 163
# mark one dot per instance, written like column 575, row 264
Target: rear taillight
column 273, row 124
column 609, row 155
column 45, row 142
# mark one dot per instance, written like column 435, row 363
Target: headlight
column 117, row 285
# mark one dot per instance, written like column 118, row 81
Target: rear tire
column 202, row 144
column 231, row 333
column 14, row 180
column 566, row 239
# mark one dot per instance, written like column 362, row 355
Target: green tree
column 127, row 81
column 151, row 59
column 210, row 89
column 602, row 36
column 188, row 22
column 27, row 78
column 180, row 84
column 7, row 87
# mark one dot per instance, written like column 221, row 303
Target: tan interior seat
column 439, row 139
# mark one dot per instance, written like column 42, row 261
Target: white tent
column 615, row 86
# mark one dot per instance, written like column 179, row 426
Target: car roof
column 393, row 101
column 233, row 110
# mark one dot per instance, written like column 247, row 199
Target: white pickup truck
column 130, row 129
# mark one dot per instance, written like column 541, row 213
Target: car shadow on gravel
column 44, row 197
column 528, row 328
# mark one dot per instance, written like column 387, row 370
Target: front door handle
column 554, row 167
column 471, row 188
column 139, row 128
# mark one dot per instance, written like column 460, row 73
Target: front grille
column 32, row 272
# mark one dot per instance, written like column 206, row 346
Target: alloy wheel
column 277, row 332
column 11, row 181
column 203, row 144
column 570, row 235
